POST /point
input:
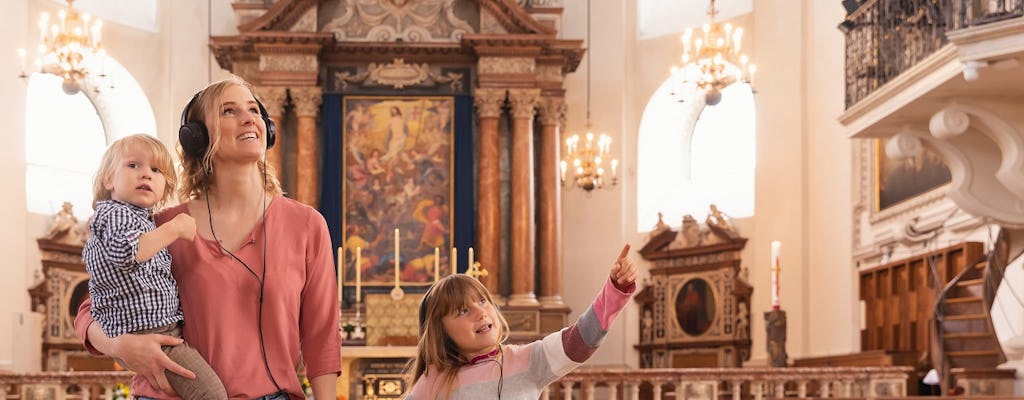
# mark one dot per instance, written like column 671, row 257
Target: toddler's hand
column 624, row 272
column 186, row 226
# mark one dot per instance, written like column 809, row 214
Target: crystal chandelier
column 588, row 157
column 712, row 59
column 66, row 45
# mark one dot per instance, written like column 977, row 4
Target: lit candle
column 396, row 258
column 437, row 264
column 776, row 246
column 454, row 261
column 470, row 257
column 21, row 59
column 341, row 264
column 359, row 274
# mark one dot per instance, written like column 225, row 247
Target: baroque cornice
column 281, row 16
column 513, row 17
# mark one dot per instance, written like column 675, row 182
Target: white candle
column 396, row 258
column 471, row 257
column 775, row 267
column 359, row 274
column 437, row 264
column 341, row 265
column 454, row 262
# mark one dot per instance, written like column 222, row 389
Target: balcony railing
column 60, row 385
column 732, row 383
column 885, row 38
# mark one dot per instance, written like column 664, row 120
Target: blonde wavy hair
column 435, row 348
column 113, row 157
column 197, row 173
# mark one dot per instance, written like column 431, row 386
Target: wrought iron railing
column 884, row 38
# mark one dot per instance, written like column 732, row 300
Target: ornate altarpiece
column 63, row 287
column 503, row 55
column 695, row 311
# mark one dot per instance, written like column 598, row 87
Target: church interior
column 825, row 198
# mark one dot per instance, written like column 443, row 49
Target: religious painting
column 899, row 181
column 397, row 188
column 695, row 307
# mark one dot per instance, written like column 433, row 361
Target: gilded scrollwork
column 273, row 99
column 488, row 102
column 523, row 102
column 307, row 100
column 552, row 110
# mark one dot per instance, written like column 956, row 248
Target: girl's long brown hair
column 435, row 348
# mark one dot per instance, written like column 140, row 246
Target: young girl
column 462, row 355
column 130, row 284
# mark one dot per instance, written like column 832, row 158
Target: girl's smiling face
column 473, row 327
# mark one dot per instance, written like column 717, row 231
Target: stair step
column 965, row 317
column 971, row 282
column 968, row 335
column 973, row 353
column 967, row 299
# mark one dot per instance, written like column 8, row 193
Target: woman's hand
column 624, row 272
column 142, row 354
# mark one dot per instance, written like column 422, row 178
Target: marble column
column 549, row 205
column 307, row 105
column 274, row 99
column 523, row 234
column 488, row 104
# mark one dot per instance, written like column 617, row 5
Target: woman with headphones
column 250, row 309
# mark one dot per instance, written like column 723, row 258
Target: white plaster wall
column 831, row 288
column 13, row 297
column 594, row 225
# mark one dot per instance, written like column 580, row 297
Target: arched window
column 691, row 155
column 67, row 134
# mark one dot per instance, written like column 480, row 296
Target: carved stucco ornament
column 398, row 74
column 398, row 20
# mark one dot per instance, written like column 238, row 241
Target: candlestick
column 396, row 258
column 359, row 274
column 341, row 265
column 455, row 269
column 437, row 264
column 775, row 269
column 471, row 257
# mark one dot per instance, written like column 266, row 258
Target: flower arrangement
column 122, row 392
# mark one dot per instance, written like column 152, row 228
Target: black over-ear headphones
column 195, row 138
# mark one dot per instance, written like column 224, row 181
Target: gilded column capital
column 273, row 98
column 523, row 102
column 552, row 110
column 307, row 100
column 488, row 102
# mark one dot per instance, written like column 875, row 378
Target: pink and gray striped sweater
column 529, row 368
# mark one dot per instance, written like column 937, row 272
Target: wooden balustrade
column 732, row 383
column 60, row 385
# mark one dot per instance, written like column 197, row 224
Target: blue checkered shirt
column 127, row 296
